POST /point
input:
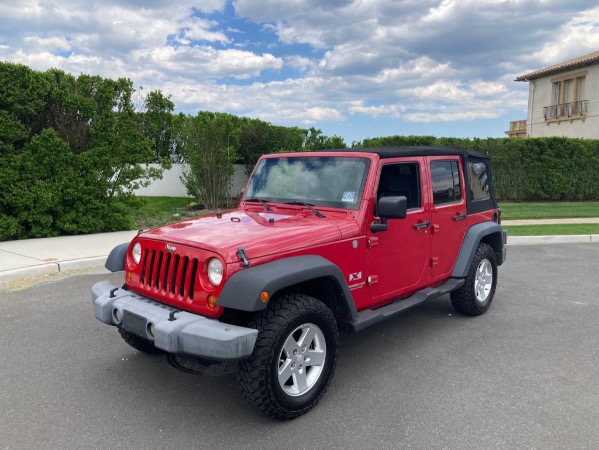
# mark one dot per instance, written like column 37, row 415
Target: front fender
column 116, row 259
column 242, row 290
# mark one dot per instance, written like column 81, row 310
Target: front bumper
column 181, row 333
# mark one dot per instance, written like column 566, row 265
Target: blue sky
column 355, row 68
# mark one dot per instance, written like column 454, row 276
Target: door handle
column 418, row 226
column 459, row 217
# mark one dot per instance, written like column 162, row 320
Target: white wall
column 540, row 96
column 172, row 186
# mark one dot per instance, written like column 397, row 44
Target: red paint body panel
column 261, row 233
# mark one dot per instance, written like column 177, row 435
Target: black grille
column 169, row 273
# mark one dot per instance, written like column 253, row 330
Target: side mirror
column 389, row 208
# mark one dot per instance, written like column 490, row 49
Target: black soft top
column 472, row 205
column 395, row 152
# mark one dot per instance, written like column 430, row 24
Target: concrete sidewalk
column 31, row 257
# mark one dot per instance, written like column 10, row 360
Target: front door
column 398, row 257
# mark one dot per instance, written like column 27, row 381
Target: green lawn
column 548, row 210
column 159, row 205
column 548, row 230
column 156, row 211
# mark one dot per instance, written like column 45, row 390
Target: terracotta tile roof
column 581, row 61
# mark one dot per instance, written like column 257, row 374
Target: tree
column 207, row 143
column 258, row 138
column 72, row 153
column 157, row 125
column 315, row 140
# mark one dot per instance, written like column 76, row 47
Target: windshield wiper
column 262, row 202
column 309, row 206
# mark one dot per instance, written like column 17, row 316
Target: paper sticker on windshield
column 348, row 197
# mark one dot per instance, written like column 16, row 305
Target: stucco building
column 563, row 100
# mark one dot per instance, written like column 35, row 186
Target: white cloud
column 203, row 62
column 358, row 107
column 310, row 61
column 578, row 36
column 52, row 43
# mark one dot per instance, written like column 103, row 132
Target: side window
column 401, row 180
column 446, row 182
column 478, row 181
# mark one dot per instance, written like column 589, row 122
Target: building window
column 567, row 97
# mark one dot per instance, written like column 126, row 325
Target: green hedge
column 72, row 152
column 531, row 169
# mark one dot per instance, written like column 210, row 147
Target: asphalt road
column 524, row 375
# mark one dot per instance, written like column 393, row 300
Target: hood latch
column 243, row 257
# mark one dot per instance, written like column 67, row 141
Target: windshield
column 317, row 180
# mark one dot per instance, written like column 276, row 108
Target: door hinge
column 373, row 242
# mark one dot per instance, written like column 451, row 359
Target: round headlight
column 215, row 271
column 136, row 252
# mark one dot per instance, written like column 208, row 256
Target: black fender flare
column 116, row 259
column 242, row 290
column 473, row 237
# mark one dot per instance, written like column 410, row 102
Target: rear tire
column 475, row 296
column 294, row 358
column 139, row 343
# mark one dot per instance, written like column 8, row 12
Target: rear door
column 448, row 215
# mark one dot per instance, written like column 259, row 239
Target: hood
column 260, row 233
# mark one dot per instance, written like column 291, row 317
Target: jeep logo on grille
column 170, row 248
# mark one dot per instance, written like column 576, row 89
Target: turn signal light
column 211, row 301
column 264, row 296
column 128, row 277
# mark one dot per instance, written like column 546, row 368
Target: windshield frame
column 357, row 195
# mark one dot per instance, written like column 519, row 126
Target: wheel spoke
column 482, row 293
column 300, row 381
column 487, row 279
column 289, row 346
column 285, row 371
column 307, row 337
column 316, row 358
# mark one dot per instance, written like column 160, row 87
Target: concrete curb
column 566, row 239
column 50, row 268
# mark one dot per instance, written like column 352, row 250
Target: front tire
column 294, row 358
column 475, row 296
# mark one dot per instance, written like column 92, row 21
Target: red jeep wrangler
column 319, row 241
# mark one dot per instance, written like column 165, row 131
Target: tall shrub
column 532, row 169
column 207, row 143
column 72, row 152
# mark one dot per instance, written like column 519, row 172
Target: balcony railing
column 518, row 125
column 565, row 109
